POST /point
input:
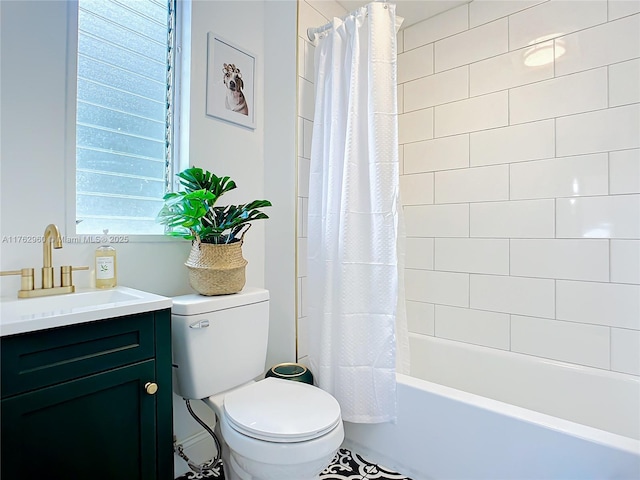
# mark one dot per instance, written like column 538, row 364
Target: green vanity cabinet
column 79, row 402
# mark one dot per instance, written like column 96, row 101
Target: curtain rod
column 312, row 31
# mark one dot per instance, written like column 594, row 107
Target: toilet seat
column 281, row 411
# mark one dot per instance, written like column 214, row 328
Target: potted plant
column 216, row 265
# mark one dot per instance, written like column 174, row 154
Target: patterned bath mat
column 346, row 465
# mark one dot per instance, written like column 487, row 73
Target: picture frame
column 231, row 82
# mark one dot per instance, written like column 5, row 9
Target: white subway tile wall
column 600, row 131
column 444, row 288
column 612, row 304
column 624, row 83
column 601, row 45
column 444, row 25
column 444, row 153
column 473, row 326
column 477, row 184
column 565, row 341
column 437, row 220
column 437, row 89
column 521, row 184
column 485, row 11
column 506, row 71
column 417, row 188
column 522, row 219
column 305, row 99
column 625, row 261
column 518, row 295
column 624, row 171
column 560, row 177
column 472, row 45
column 420, row 317
column 623, row 8
column 415, row 63
column 576, row 93
column 419, row 252
column 472, row 255
column 415, row 126
column 555, row 18
column 555, row 258
column 613, row 216
column 518, row 143
column 625, row 351
column 477, row 113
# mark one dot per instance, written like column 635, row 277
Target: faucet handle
column 26, row 281
column 66, row 279
column 11, row 272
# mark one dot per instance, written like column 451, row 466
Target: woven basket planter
column 216, row 269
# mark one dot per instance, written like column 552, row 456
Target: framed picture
column 231, row 85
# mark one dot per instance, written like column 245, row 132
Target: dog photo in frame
column 231, row 73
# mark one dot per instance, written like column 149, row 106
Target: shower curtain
column 354, row 215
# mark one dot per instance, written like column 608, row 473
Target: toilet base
column 247, row 458
column 234, row 471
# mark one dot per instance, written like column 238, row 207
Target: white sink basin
column 30, row 314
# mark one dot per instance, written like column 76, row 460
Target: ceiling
column 413, row 11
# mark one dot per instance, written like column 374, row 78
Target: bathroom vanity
column 87, row 398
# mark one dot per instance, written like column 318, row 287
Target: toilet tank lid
column 195, row 304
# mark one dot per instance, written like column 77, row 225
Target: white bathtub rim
column 509, row 355
column 591, row 434
column 600, row 410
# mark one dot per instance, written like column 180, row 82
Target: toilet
column 271, row 429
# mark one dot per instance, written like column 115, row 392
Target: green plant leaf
column 192, row 212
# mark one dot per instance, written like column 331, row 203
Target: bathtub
column 479, row 413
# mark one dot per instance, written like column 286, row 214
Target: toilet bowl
column 276, row 429
column 271, row 429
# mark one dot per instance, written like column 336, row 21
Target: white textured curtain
column 353, row 215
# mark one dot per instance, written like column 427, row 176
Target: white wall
column 280, row 176
column 261, row 162
column 37, row 141
column 521, row 184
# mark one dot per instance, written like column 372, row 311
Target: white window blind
column 124, row 112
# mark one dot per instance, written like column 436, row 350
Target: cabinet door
column 98, row 427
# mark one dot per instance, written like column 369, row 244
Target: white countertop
column 86, row 305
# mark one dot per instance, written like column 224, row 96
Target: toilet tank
column 218, row 342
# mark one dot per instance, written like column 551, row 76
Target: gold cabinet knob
column 151, row 388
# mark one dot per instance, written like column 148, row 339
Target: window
column 124, row 114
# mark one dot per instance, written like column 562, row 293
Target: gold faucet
column 51, row 236
column 53, row 239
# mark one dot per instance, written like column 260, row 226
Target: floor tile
column 211, row 471
column 346, row 465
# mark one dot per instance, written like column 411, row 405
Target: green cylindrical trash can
column 291, row 371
